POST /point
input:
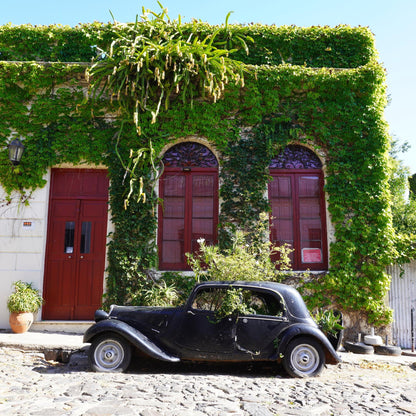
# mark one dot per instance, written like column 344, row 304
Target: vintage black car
column 277, row 327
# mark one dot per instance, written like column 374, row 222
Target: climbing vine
column 317, row 86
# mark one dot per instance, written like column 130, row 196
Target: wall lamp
column 16, row 149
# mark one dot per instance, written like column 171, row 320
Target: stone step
column 69, row 327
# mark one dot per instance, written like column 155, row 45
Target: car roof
column 279, row 287
column 291, row 296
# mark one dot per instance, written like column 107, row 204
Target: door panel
column 201, row 337
column 92, row 225
column 256, row 335
column 75, row 255
column 60, row 263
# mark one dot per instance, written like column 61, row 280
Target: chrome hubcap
column 305, row 358
column 109, row 354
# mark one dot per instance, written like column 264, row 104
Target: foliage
column 131, row 251
column 183, row 284
column 328, row 321
column 403, row 201
column 248, row 258
column 403, row 205
column 412, row 186
column 24, row 299
column 161, row 294
column 315, row 47
column 151, row 62
column 171, row 289
column 235, row 302
column 293, row 93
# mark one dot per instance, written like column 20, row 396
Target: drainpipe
column 412, row 329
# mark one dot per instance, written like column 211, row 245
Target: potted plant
column 22, row 304
column 330, row 323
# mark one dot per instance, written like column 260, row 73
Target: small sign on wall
column 28, row 225
column 311, row 255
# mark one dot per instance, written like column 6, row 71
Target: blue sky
column 392, row 22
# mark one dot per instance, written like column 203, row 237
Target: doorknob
column 82, row 257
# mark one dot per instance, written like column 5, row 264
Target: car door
column 257, row 331
column 200, row 334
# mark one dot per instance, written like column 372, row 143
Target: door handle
column 82, row 257
column 70, row 257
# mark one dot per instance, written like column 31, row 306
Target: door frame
column 109, row 225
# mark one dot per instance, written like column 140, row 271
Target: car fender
column 298, row 330
column 134, row 336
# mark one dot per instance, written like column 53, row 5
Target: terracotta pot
column 20, row 321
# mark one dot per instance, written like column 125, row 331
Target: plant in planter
column 330, row 323
column 22, row 304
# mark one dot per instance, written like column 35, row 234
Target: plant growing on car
column 248, row 257
column 155, row 293
column 328, row 321
column 161, row 294
column 234, row 303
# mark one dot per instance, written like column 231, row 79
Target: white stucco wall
column 22, row 244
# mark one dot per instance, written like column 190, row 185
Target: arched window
column 189, row 208
column 298, row 207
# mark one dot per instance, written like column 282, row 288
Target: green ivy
column 338, row 47
column 292, row 93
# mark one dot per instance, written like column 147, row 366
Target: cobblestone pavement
column 30, row 385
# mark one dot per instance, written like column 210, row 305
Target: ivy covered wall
column 320, row 86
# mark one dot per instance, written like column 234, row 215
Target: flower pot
column 20, row 321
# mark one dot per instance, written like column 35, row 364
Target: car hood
column 118, row 311
column 144, row 318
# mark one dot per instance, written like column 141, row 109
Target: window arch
column 189, row 209
column 297, row 200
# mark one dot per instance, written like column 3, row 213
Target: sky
column 391, row 21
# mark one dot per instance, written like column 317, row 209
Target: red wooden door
column 75, row 253
column 189, row 211
column 298, row 217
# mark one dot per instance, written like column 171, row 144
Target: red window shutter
column 189, row 211
column 298, row 216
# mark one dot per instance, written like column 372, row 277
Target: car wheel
column 304, row 357
column 109, row 353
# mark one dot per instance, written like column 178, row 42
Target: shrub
column 248, row 258
column 24, row 299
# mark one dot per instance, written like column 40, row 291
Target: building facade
column 304, row 139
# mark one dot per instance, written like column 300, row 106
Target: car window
column 258, row 302
column 263, row 303
column 209, row 299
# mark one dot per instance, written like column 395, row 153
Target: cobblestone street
column 30, row 385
